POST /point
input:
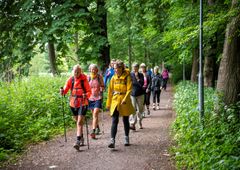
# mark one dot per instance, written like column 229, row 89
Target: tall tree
column 195, row 60
column 229, row 71
column 104, row 48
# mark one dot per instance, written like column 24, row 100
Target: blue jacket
column 108, row 75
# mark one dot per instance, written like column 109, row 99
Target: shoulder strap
column 98, row 77
column 72, row 83
column 82, row 84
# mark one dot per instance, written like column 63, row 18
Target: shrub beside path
column 148, row 149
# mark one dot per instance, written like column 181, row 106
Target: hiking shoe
column 77, row 145
column 140, row 125
column 93, row 135
column 97, row 131
column 126, row 141
column 82, row 141
column 112, row 143
column 148, row 111
column 132, row 127
column 153, row 107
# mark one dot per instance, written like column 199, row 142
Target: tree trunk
column 145, row 52
column 210, row 2
column 209, row 71
column 129, row 52
column 194, row 73
column 229, row 71
column 76, row 46
column 209, row 61
column 52, row 58
column 105, row 49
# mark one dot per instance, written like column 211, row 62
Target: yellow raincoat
column 119, row 90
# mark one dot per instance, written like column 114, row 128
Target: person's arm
column 106, row 76
column 110, row 90
column 129, row 89
column 67, row 86
column 87, row 87
column 141, row 79
column 161, row 82
column 101, row 83
column 149, row 83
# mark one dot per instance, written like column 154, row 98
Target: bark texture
column 52, row 58
column 229, row 71
column 105, row 49
column 195, row 54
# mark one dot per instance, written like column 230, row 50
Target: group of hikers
column 128, row 93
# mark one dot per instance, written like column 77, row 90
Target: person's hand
column 61, row 91
column 84, row 95
column 147, row 90
column 107, row 108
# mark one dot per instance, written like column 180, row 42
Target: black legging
column 147, row 98
column 156, row 94
column 115, row 120
column 165, row 83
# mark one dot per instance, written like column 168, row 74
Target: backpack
column 82, row 85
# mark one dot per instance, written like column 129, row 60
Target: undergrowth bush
column 30, row 111
column 214, row 145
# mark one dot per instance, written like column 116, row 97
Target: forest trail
column 148, row 149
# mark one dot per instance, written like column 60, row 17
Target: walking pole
column 102, row 115
column 81, row 107
column 87, row 131
column 64, row 124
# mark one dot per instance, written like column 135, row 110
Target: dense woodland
column 50, row 36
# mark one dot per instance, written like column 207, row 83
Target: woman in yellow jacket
column 119, row 101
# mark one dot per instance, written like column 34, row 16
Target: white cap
column 142, row 65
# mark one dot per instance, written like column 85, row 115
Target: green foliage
column 177, row 72
column 30, row 111
column 216, row 145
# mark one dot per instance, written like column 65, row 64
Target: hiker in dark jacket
column 137, row 96
column 147, row 87
column 157, row 83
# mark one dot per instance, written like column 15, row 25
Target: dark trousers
column 147, row 98
column 165, row 83
column 156, row 94
column 115, row 120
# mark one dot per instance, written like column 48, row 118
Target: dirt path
column 148, row 148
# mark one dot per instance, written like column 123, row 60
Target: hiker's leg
column 133, row 117
column 115, row 120
column 95, row 117
column 148, row 101
column 158, row 99
column 140, row 108
column 80, row 121
column 126, row 125
column 154, row 99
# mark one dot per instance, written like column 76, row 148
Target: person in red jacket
column 80, row 92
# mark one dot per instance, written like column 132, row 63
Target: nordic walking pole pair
column 64, row 123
